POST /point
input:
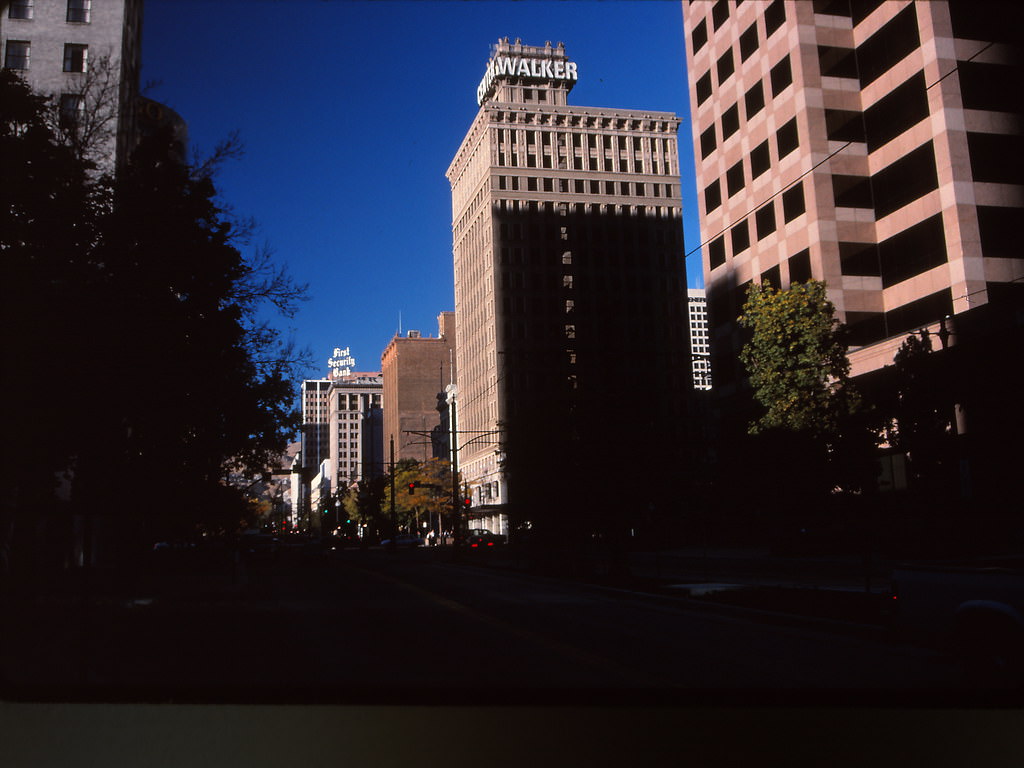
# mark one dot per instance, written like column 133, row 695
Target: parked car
column 404, row 540
column 481, row 538
column 973, row 607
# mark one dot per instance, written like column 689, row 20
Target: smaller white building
column 700, row 340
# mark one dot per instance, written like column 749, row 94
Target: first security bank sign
column 518, row 66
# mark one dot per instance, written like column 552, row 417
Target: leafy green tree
column 431, row 498
column 796, row 359
column 799, row 373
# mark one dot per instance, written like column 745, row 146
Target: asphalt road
column 412, row 627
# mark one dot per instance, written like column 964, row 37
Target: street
column 411, row 626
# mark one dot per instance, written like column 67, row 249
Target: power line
column 767, row 200
column 815, row 167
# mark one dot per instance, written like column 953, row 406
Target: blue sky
column 350, row 112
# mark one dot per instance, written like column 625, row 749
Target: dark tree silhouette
column 139, row 370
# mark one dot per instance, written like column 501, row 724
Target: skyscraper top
column 545, row 69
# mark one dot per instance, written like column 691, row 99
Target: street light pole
column 454, row 442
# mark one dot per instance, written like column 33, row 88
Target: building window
column 851, row 191
column 760, row 159
column 704, row 87
column 734, row 178
column 765, row 221
column 707, row 142
column 71, row 106
column 740, row 235
column 844, row 125
column 730, row 121
column 17, row 54
column 787, row 138
column 772, row 277
column 712, row 196
column 896, row 112
column 889, row 45
column 725, row 67
column 837, row 62
column 75, row 57
column 915, row 174
column 716, row 252
column 793, row 204
column 800, row 267
column 20, row 9
column 859, row 259
column 748, row 42
column 913, row 251
column 754, row 100
column 78, row 11
column 700, row 35
column 720, row 13
column 781, row 76
column 774, row 17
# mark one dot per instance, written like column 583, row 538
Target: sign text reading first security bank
column 517, row 66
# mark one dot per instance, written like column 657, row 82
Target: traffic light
column 467, row 503
column 412, row 487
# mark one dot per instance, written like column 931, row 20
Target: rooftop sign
column 522, row 66
column 341, row 362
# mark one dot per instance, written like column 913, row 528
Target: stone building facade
column 569, row 278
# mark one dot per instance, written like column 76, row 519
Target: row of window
column 793, row 206
column 586, row 155
column 781, row 77
column 774, row 17
column 787, row 140
column 18, row 55
column 78, row 11
column 584, row 186
column 582, row 209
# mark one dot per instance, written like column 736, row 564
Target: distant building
column 356, row 429
column 87, row 55
column 569, row 281
column 700, row 348
column 315, row 430
column 415, row 370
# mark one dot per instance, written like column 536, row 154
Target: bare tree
column 86, row 118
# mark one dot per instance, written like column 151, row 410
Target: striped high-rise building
column 873, row 145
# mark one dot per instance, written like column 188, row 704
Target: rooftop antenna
column 399, row 322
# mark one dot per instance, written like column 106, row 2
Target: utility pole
column 454, row 441
column 394, row 516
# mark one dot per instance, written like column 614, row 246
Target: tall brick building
column 415, row 369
